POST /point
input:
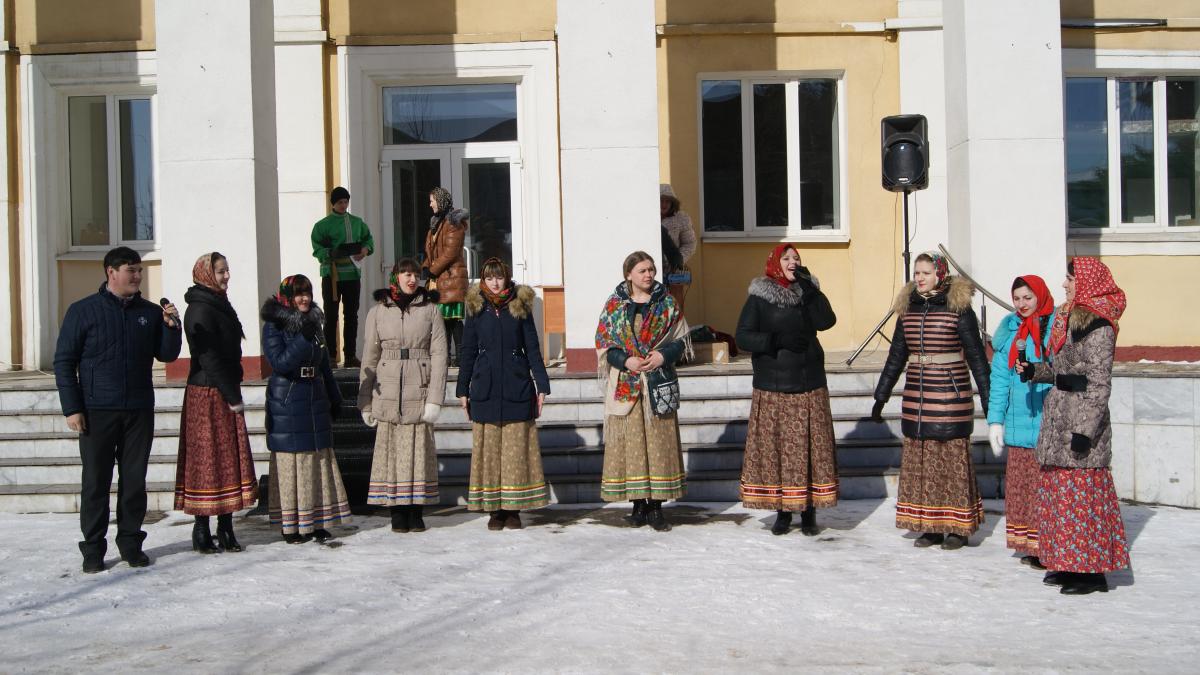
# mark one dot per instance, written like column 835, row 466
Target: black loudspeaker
column 905, row 147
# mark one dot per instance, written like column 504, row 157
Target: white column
column 608, row 120
column 923, row 92
column 1004, row 126
column 218, row 185
column 8, row 354
column 300, row 121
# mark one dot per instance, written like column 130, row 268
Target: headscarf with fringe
column 774, row 268
column 1032, row 325
column 662, row 322
column 1097, row 292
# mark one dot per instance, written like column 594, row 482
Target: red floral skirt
column 214, row 473
column 1022, row 477
column 1079, row 519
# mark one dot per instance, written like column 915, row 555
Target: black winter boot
column 415, row 519
column 655, row 517
column 1057, row 578
column 1083, row 583
column 926, row 540
column 202, row 540
column 638, row 517
column 783, row 522
column 322, row 535
column 400, row 519
column 808, row 522
column 225, row 534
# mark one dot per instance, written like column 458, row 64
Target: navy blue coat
column 298, row 408
column 106, row 351
column 501, row 358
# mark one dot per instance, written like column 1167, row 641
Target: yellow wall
column 45, row 23
column 1155, row 285
column 771, row 11
column 440, row 17
column 1148, row 38
column 858, row 277
column 80, row 278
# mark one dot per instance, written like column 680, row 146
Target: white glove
column 237, row 407
column 432, row 411
column 996, row 437
column 368, row 419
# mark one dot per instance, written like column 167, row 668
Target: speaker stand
column 878, row 330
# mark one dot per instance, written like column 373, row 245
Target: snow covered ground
column 579, row 592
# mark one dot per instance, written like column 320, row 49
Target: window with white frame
column 1133, row 153
column 111, row 171
column 772, row 156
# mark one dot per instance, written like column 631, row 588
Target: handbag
column 662, row 386
column 680, row 277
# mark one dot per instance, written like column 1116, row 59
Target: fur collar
column 956, row 299
column 384, row 297
column 767, row 289
column 1081, row 322
column 520, row 305
column 289, row 319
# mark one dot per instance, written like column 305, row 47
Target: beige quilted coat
column 393, row 389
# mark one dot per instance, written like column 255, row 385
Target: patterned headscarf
column 615, row 329
column 202, row 272
column 774, row 270
column 1032, row 324
column 941, row 267
column 443, row 199
column 287, row 291
column 1095, row 291
column 497, row 299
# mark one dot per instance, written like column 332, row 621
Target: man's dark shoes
column 783, row 522
column 136, row 559
column 926, row 540
column 93, row 563
column 808, row 522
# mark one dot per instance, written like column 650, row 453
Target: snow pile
column 579, row 592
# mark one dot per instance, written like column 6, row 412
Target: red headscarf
column 1032, row 325
column 1095, row 291
column 774, row 270
column 202, row 272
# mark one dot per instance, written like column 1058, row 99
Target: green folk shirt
column 330, row 232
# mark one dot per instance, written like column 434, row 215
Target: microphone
column 163, row 302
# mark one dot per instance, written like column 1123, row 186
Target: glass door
column 408, row 177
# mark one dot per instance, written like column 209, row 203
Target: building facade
column 177, row 127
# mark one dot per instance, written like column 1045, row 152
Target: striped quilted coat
column 937, row 392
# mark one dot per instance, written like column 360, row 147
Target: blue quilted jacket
column 1015, row 404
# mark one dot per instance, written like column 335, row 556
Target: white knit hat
column 664, row 190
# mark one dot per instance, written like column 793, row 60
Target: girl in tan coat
column 401, row 386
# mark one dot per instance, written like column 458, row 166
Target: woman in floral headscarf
column 445, row 270
column 1015, row 409
column 937, row 338
column 214, row 473
column 640, row 337
column 790, row 462
column 1081, row 534
column 400, row 390
column 307, row 494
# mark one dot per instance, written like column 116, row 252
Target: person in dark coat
column 103, row 369
column 790, row 459
column 306, row 491
column 214, row 472
column 937, row 337
column 502, row 384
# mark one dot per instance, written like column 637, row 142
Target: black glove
column 1080, row 444
column 793, row 342
column 1026, row 371
column 877, row 411
column 309, row 330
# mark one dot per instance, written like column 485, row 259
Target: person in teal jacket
column 1015, row 409
column 341, row 241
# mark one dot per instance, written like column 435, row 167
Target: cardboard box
column 710, row 352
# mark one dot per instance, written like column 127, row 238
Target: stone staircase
column 39, row 456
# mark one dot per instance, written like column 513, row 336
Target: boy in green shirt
column 340, row 243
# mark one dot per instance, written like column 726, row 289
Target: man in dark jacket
column 102, row 367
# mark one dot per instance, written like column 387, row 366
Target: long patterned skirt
column 642, row 457
column 214, row 473
column 1022, row 476
column 790, row 461
column 1080, row 521
column 404, row 468
column 506, row 468
column 938, row 493
column 307, row 492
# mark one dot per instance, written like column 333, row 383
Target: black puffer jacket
column 214, row 337
column 773, row 310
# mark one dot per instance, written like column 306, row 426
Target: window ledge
column 1158, row 236
column 1157, row 243
column 148, row 255
column 736, row 237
